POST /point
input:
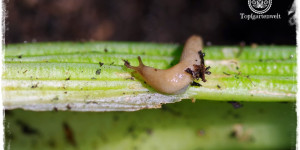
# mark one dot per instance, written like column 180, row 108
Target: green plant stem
column 61, row 74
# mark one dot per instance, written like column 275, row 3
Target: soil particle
column 195, row 84
column 98, row 71
column 68, row 107
column 235, row 104
column 34, row 86
column 101, row 64
column 199, row 70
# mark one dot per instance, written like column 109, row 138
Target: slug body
column 176, row 79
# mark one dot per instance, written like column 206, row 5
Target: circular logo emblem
column 259, row 6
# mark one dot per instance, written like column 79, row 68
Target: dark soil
column 136, row 20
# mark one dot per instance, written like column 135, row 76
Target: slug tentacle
column 176, row 79
column 141, row 64
column 138, row 68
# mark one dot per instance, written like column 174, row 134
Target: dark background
column 218, row 21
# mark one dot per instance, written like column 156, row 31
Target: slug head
column 138, row 68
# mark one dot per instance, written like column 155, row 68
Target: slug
column 176, row 79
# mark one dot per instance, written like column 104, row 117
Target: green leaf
column 183, row 125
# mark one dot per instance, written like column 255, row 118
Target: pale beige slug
column 176, row 79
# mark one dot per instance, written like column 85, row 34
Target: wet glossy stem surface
column 57, row 73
